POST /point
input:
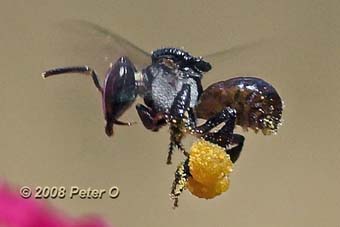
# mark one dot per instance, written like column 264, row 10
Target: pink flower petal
column 16, row 211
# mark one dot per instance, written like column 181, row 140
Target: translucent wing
column 82, row 42
column 219, row 60
column 219, row 55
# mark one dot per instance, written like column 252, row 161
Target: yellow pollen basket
column 207, row 191
column 209, row 167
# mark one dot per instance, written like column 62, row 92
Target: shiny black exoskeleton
column 171, row 88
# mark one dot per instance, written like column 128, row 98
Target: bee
column 172, row 92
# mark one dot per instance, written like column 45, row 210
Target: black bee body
column 173, row 94
column 171, row 88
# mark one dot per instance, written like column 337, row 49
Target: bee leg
column 180, row 105
column 176, row 136
column 227, row 116
column 176, row 116
column 75, row 69
column 235, row 151
column 170, row 152
column 150, row 119
column 181, row 177
column 225, row 136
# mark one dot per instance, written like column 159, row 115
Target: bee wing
column 220, row 59
column 232, row 50
column 82, row 42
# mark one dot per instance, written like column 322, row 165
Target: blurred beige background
column 52, row 130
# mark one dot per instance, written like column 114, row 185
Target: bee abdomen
column 257, row 103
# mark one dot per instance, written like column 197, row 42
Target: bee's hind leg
column 225, row 136
column 234, row 152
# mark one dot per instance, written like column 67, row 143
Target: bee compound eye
column 119, row 91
